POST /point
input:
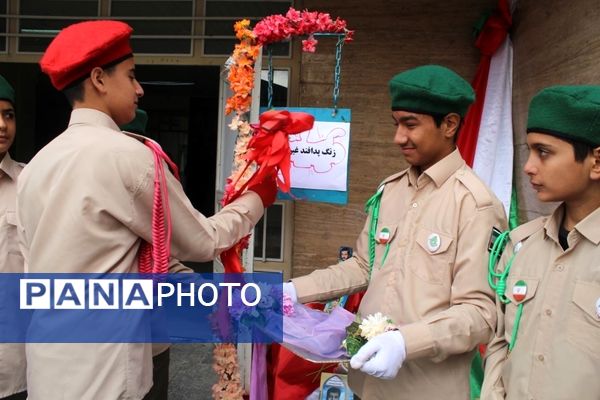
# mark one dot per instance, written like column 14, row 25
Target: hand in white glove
column 382, row 356
column 290, row 290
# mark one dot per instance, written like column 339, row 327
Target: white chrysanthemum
column 374, row 325
column 235, row 123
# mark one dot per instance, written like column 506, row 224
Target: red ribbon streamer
column 269, row 148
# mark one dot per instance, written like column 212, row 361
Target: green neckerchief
column 372, row 208
column 497, row 280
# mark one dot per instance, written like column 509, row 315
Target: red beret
column 81, row 47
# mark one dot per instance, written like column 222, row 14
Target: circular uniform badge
column 384, row 236
column 519, row 290
column 434, row 242
column 517, row 247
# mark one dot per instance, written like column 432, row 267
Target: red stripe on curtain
column 489, row 39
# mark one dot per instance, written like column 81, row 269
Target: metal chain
column 270, row 79
column 337, row 72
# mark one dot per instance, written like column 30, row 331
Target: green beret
column 138, row 125
column 570, row 112
column 6, row 90
column 431, row 89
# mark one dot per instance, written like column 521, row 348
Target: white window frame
column 7, row 26
column 282, row 236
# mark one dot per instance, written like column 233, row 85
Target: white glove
column 382, row 356
column 290, row 290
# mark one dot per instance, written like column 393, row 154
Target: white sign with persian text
column 320, row 156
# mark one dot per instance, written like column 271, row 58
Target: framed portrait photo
column 335, row 387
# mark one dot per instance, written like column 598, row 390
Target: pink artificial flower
column 273, row 28
column 261, row 31
column 288, row 305
column 349, row 36
column 338, row 25
column 277, row 28
column 309, row 45
column 293, row 15
column 309, row 22
column 323, row 22
column 310, row 16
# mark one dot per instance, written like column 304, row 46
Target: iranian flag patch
column 519, row 290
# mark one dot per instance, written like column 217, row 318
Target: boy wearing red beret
column 86, row 202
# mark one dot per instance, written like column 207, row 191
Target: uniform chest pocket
column 431, row 259
column 583, row 324
column 9, row 239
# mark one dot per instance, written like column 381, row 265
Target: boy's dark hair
column 74, row 92
column 581, row 150
column 333, row 390
column 439, row 118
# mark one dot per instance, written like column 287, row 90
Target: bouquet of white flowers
column 360, row 332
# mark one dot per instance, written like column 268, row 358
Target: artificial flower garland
column 228, row 386
column 271, row 29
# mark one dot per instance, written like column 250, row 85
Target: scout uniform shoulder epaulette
column 394, row 177
column 476, row 187
column 136, row 136
column 515, row 237
column 522, row 232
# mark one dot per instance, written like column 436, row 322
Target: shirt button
column 414, row 205
column 548, row 312
column 560, row 267
column 540, row 357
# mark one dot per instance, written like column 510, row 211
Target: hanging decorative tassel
column 154, row 257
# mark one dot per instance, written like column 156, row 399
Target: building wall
column 390, row 37
column 555, row 42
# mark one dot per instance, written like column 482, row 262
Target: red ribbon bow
column 270, row 149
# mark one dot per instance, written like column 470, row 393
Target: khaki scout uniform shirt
column 557, row 351
column 436, row 292
column 12, row 355
column 84, row 205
